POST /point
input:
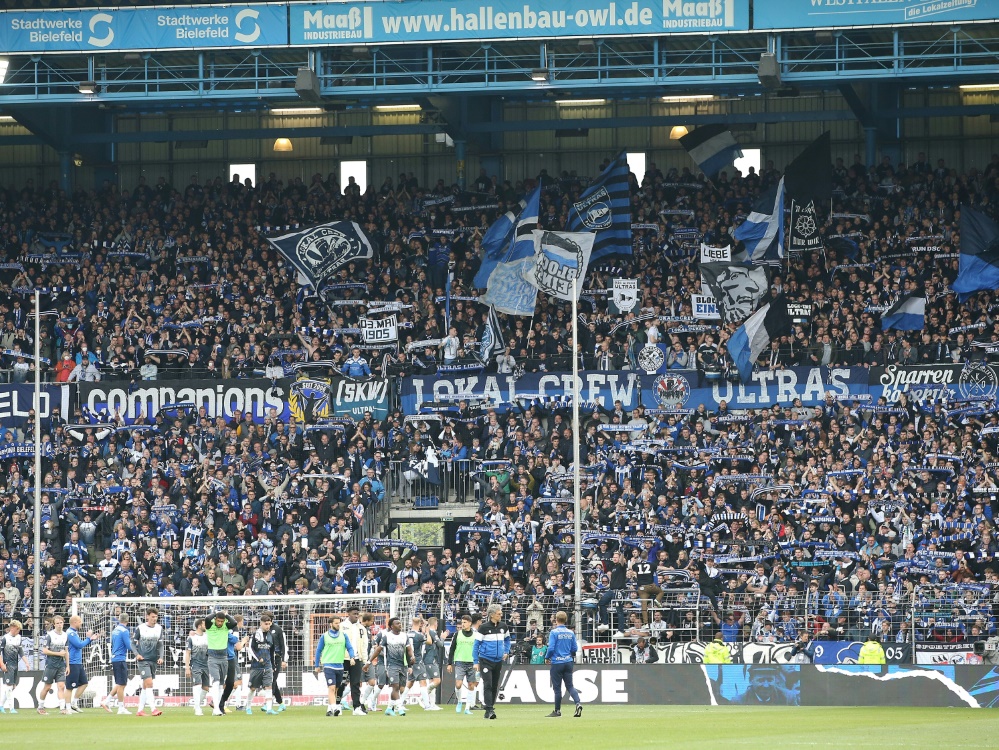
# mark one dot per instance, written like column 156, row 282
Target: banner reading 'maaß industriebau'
column 810, row 14
column 457, row 21
column 116, row 29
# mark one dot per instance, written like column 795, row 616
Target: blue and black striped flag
column 605, row 208
column 978, row 265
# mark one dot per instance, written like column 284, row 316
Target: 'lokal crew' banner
column 307, row 399
column 676, row 389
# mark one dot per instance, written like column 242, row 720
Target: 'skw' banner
column 320, row 399
column 115, row 29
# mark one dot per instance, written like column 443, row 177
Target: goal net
column 302, row 618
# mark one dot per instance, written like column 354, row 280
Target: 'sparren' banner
column 416, row 21
column 810, row 14
column 114, row 29
column 315, row 399
column 672, row 390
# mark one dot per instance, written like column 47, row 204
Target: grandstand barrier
column 758, row 684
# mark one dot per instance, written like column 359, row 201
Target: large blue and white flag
column 318, row 252
column 560, row 262
column 712, row 147
column 506, row 285
column 978, row 263
column 605, row 208
column 762, row 232
column 754, row 336
column 496, row 242
column 908, row 314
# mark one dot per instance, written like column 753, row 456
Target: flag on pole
column 496, row 242
column 809, row 177
column 754, row 336
column 908, row 314
column 492, row 337
column 560, row 262
column 762, row 232
column 317, row 252
column 712, row 147
column 605, row 208
column 978, row 265
column 506, row 287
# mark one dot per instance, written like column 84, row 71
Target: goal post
column 302, row 618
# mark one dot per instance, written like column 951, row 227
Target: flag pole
column 576, row 473
column 37, row 567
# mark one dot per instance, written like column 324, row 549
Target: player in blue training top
column 561, row 653
column 121, row 645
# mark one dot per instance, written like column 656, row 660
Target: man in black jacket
column 280, row 662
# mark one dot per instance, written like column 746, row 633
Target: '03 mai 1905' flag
column 317, row 252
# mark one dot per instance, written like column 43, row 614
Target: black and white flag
column 560, row 262
column 624, row 295
column 379, row 330
column 804, row 235
column 736, row 287
column 318, row 252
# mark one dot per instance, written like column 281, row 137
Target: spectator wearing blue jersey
column 561, row 654
column 121, row 644
column 355, row 365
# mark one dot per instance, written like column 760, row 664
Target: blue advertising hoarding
column 116, row 29
column 810, row 14
column 16, row 400
column 457, row 21
column 678, row 389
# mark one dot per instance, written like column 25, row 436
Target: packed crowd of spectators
column 158, row 282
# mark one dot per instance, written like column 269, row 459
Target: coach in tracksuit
column 561, row 653
column 491, row 647
column 280, row 662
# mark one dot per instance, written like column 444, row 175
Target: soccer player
column 416, row 678
column 11, row 652
column 260, row 650
column 431, row 665
column 76, row 681
column 218, row 632
column 459, row 661
column 561, row 653
column 121, row 644
column 56, row 666
column 280, row 662
column 398, row 649
column 329, row 660
column 491, row 647
column 196, row 663
column 374, row 669
column 149, row 655
column 232, row 684
column 357, row 633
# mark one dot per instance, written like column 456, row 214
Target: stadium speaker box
column 769, row 72
column 307, row 85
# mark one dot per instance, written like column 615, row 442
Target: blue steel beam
column 519, row 125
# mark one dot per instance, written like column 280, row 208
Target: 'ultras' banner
column 307, row 399
column 16, row 401
column 115, row 29
column 758, row 685
column 452, row 21
column 672, row 390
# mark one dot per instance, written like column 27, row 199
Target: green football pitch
column 519, row 728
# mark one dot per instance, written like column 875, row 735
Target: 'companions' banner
column 114, row 29
column 307, row 400
column 672, row 390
